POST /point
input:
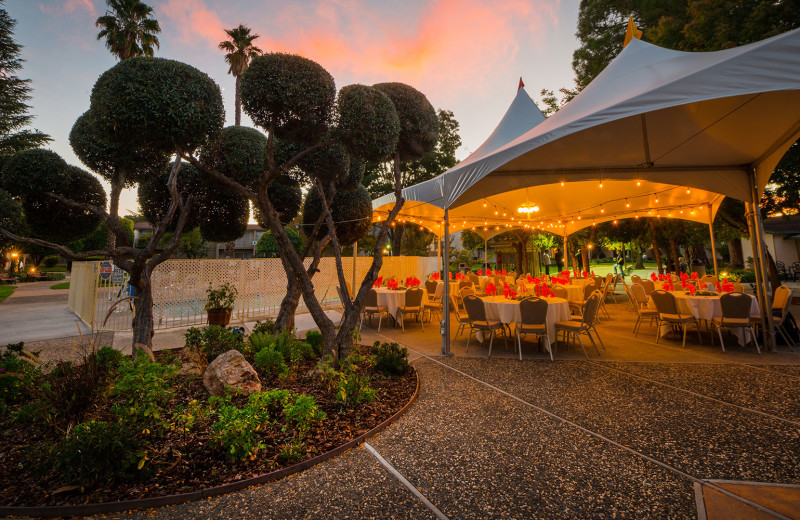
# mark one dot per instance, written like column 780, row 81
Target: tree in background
column 417, row 241
column 14, row 93
column 239, row 51
column 267, row 246
column 128, row 29
column 471, row 241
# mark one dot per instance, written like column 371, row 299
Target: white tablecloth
column 575, row 291
column 580, row 282
column 507, row 311
column 394, row 299
column 703, row 308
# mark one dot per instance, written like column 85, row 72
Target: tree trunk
column 655, row 248
column 518, row 252
column 113, row 210
column 285, row 319
column 585, row 256
column 142, row 322
column 639, row 253
column 230, row 249
column 673, row 245
column 397, row 239
column 238, row 98
column 698, row 251
column 736, row 254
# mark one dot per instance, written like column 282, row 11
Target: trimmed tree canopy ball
column 352, row 180
column 267, row 246
column 10, row 218
column 419, row 125
column 223, row 217
column 328, row 164
column 107, row 159
column 157, row 103
column 285, row 195
column 351, row 212
column 369, row 125
column 30, row 171
column 289, row 93
column 61, row 223
column 238, row 152
column 154, row 197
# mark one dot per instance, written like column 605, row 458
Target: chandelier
column 528, row 208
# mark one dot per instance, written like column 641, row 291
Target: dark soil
column 183, row 462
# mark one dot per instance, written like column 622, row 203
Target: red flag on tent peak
column 521, row 84
column 631, row 32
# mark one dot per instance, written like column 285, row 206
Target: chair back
column 430, row 286
column 649, row 286
column 598, row 281
column 591, row 308
column 414, row 297
column 636, row 279
column 474, row 278
column 511, row 280
column 735, row 305
column 464, row 283
column 639, row 295
column 372, row 299
column 560, row 291
column 609, row 278
column 665, row 302
column 708, row 278
column 737, row 287
column 437, row 293
column 467, row 291
column 588, row 289
column 475, row 309
column 454, row 304
column 533, row 311
column 782, row 299
column 512, row 274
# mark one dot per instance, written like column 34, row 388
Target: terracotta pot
column 219, row 317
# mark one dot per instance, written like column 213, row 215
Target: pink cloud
column 68, row 7
column 194, row 21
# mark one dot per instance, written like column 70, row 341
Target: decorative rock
column 192, row 363
column 231, row 370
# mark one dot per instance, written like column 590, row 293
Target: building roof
column 784, row 225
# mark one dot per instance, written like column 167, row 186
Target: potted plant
column 219, row 304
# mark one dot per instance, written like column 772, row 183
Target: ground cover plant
column 114, row 428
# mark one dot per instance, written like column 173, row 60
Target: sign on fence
column 106, row 269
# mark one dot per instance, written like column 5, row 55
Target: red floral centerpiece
column 392, row 284
column 480, row 272
column 378, row 282
column 490, row 289
column 412, row 281
column 692, row 289
column 435, row 276
column 503, row 272
column 488, row 272
column 695, row 276
column 654, row 277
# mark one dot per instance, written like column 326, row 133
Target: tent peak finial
column 521, row 84
column 631, row 32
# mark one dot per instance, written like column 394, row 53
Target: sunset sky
column 465, row 55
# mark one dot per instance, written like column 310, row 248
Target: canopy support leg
column 485, row 252
column 713, row 244
column 355, row 259
column 445, row 329
column 758, row 225
column 756, row 264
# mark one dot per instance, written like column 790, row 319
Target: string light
column 627, row 204
column 601, row 184
column 562, row 184
column 484, row 203
column 656, row 199
column 638, row 183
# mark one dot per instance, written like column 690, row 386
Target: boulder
column 231, row 370
column 192, row 363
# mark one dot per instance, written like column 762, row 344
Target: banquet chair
column 668, row 312
column 462, row 317
column 464, row 283
column 598, row 282
column 781, row 301
column 735, row 315
column 578, row 306
column 708, row 278
column 636, row 278
column 640, row 299
column 607, row 289
column 413, row 305
column 434, row 304
column 649, row 286
column 533, row 314
column 371, row 307
column 512, row 274
column 476, row 281
column 477, row 321
column 466, row 291
column 575, row 328
column 430, row 286
column 560, row 292
column 737, row 287
column 628, row 293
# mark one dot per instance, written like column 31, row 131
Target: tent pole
column 713, row 245
column 756, row 264
column 758, row 226
column 439, row 251
column 355, row 259
column 485, row 252
column 445, row 329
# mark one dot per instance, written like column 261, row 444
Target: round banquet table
column 394, row 299
column 702, row 308
column 574, row 292
column 507, row 311
column 580, row 282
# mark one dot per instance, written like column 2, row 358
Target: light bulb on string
column 638, row 183
column 627, row 204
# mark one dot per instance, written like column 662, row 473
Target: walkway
column 639, row 433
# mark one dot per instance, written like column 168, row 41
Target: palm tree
column 128, row 29
column 240, row 50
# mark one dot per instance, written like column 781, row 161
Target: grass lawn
column 5, row 292
column 59, row 286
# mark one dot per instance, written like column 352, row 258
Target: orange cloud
column 68, row 7
column 193, row 20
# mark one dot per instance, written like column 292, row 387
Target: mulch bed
column 183, row 462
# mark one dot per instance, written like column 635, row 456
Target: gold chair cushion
column 676, row 318
column 731, row 322
column 541, row 328
column 571, row 325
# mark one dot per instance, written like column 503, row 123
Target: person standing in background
column 559, row 258
column 546, row 262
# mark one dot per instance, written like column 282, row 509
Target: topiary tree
column 267, row 247
column 319, row 138
column 142, row 111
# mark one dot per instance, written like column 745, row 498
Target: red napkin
column 695, row 276
column 530, row 279
column 546, row 291
column 692, row 289
column 654, row 277
column 503, row 272
column 488, row 272
column 378, row 282
column 435, row 276
column 490, row 289
column 480, row 272
column 392, row 284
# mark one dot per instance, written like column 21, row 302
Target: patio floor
column 643, row 431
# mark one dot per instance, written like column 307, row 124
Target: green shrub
column 142, row 389
column 743, row 275
column 50, row 261
column 349, row 385
column 390, row 358
column 267, row 327
column 214, row 340
column 70, row 390
column 314, row 338
column 97, row 452
column 235, row 432
column 260, row 341
column 303, row 412
column 108, row 357
column 270, row 360
column 53, row 277
column 19, row 370
column 291, row 451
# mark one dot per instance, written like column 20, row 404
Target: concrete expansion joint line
column 696, row 394
column 408, row 485
column 700, row 481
